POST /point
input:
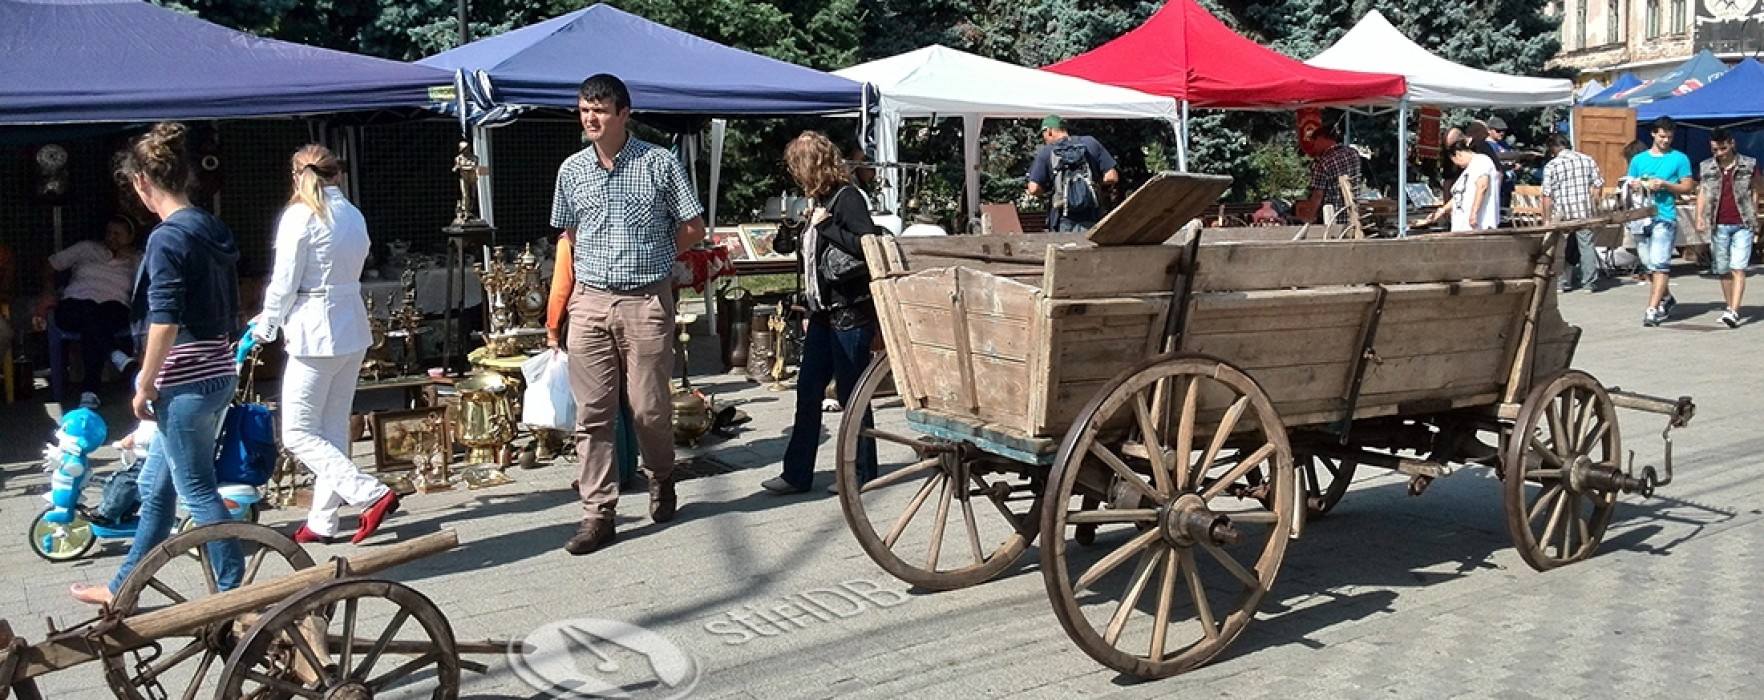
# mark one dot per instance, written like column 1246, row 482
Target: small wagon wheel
column 1558, row 470
column 1169, row 446
column 178, row 572
column 61, row 541
column 1325, row 481
column 984, row 511
column 331, row 640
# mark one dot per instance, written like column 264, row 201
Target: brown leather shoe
column 662, row 500
column 591, row 536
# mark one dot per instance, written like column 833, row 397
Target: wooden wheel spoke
column 256, row 564
column 1572, row 527
column 939, row 525
column 1547, row 452
column 1559, row 437
column 901, row 474
column 906, row 516
column 1126, row 473
column 973, row 530
column 1230, row 563
column 1580, row 523
column 1227, row 425
column 1112, row 515
column 1313, row 485
column 1004, row 509
column 1581, row 417
column 386, row 636
column 1256, row 458
column 207, row 571
column 1549, row 530
column 166, row 590
column 1114, row 559
column 1184, row 447
column 303, row 644
column 177, row 657
column 1198, row 593
column 895, row 438
column 1148, row 563
column 1543, row 500
column 347, row 647
column 1590, row 440
column 1154, row 445
column 1161, row 620
column 403, row 670
column 208, row 658
column 283, row 685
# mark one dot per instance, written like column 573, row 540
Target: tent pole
column 1182, row 139
column 971, row 169
column 486, row 208
column 1402, row 192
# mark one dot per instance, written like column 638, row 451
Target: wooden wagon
column 1166, row 415
column 290, row 629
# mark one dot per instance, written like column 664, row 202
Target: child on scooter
column 122, row 495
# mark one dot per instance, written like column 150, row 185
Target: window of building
column 1651, row 21
column 1580, row 23
column 1678, row 18
column 1613, row 22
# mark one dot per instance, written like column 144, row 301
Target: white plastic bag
column 548, row 402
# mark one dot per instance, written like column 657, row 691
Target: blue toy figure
column 81, row 432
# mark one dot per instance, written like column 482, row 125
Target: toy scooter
column 62, row 532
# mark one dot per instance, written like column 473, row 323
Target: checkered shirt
column 625, row 218
column 1568, row 180
column 1327, row 169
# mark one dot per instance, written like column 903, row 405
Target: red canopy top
column 1186, row 53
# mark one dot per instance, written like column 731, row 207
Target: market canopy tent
column 666, row 70
column 940, row 81
column 1739, row 94
column 1375, row 44
column 1622, row 83
column 1184, row 52
column 80, row 61
column 1690, row 76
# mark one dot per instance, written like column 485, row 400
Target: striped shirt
column 1569, row 180
column 625, row 218
column 196, row 361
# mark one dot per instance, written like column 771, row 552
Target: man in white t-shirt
column 95, row 304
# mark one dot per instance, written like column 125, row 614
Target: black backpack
column 1074, row 191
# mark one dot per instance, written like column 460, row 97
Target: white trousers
column 317, row 393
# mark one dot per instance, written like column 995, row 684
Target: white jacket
column 314, row 295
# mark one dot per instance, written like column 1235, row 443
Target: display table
column 431, row 292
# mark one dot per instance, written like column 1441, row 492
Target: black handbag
column 837, row 266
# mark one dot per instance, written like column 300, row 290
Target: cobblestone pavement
column 1391, row 596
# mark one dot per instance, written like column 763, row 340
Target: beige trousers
column 621, row 338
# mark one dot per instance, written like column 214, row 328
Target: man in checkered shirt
column 1330, row 159
column 1571, row 186
column 628, row 207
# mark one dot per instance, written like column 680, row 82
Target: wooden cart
column 305, row 631
column 1167, row 416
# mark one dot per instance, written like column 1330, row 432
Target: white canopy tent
column 938, row 81
column 1375, row 45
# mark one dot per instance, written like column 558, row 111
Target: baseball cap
column 1497, row 124
column 1053, row 121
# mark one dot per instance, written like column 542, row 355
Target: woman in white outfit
column 314, row 299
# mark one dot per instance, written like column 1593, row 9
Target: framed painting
column 759, row 239
column 405, row 440
column 730, row 239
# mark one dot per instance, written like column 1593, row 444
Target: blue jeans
column 122, row 494
column 1731, row 245
column 1654, row 245
column 180, row 465
column 835, row 356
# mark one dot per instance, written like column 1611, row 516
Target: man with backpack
column 1069, row 168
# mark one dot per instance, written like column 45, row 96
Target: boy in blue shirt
column 1666, row 174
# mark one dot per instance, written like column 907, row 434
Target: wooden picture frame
column 729, row 237
column 399, row 437
column 758, row 238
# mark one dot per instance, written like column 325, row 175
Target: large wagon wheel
column 985, row 510
column 331, row 640
column 177, row 572
column 1560, row 468
column 1169, row 446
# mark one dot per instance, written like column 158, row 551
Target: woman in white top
column 1475, row 202
column 314, row 299
column 95, row 304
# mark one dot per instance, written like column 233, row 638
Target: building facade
column 1604, row 38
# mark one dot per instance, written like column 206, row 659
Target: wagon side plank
column 1252, row 266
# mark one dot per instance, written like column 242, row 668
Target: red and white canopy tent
column 1186, row 53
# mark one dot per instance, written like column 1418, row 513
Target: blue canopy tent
column 1701, row 70
column 91, row 61
column 1622, row 83
column 1736, row 101
column 667, row 70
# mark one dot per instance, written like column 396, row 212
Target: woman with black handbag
column 836, row 291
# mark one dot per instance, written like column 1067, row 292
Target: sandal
column 91, row 594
